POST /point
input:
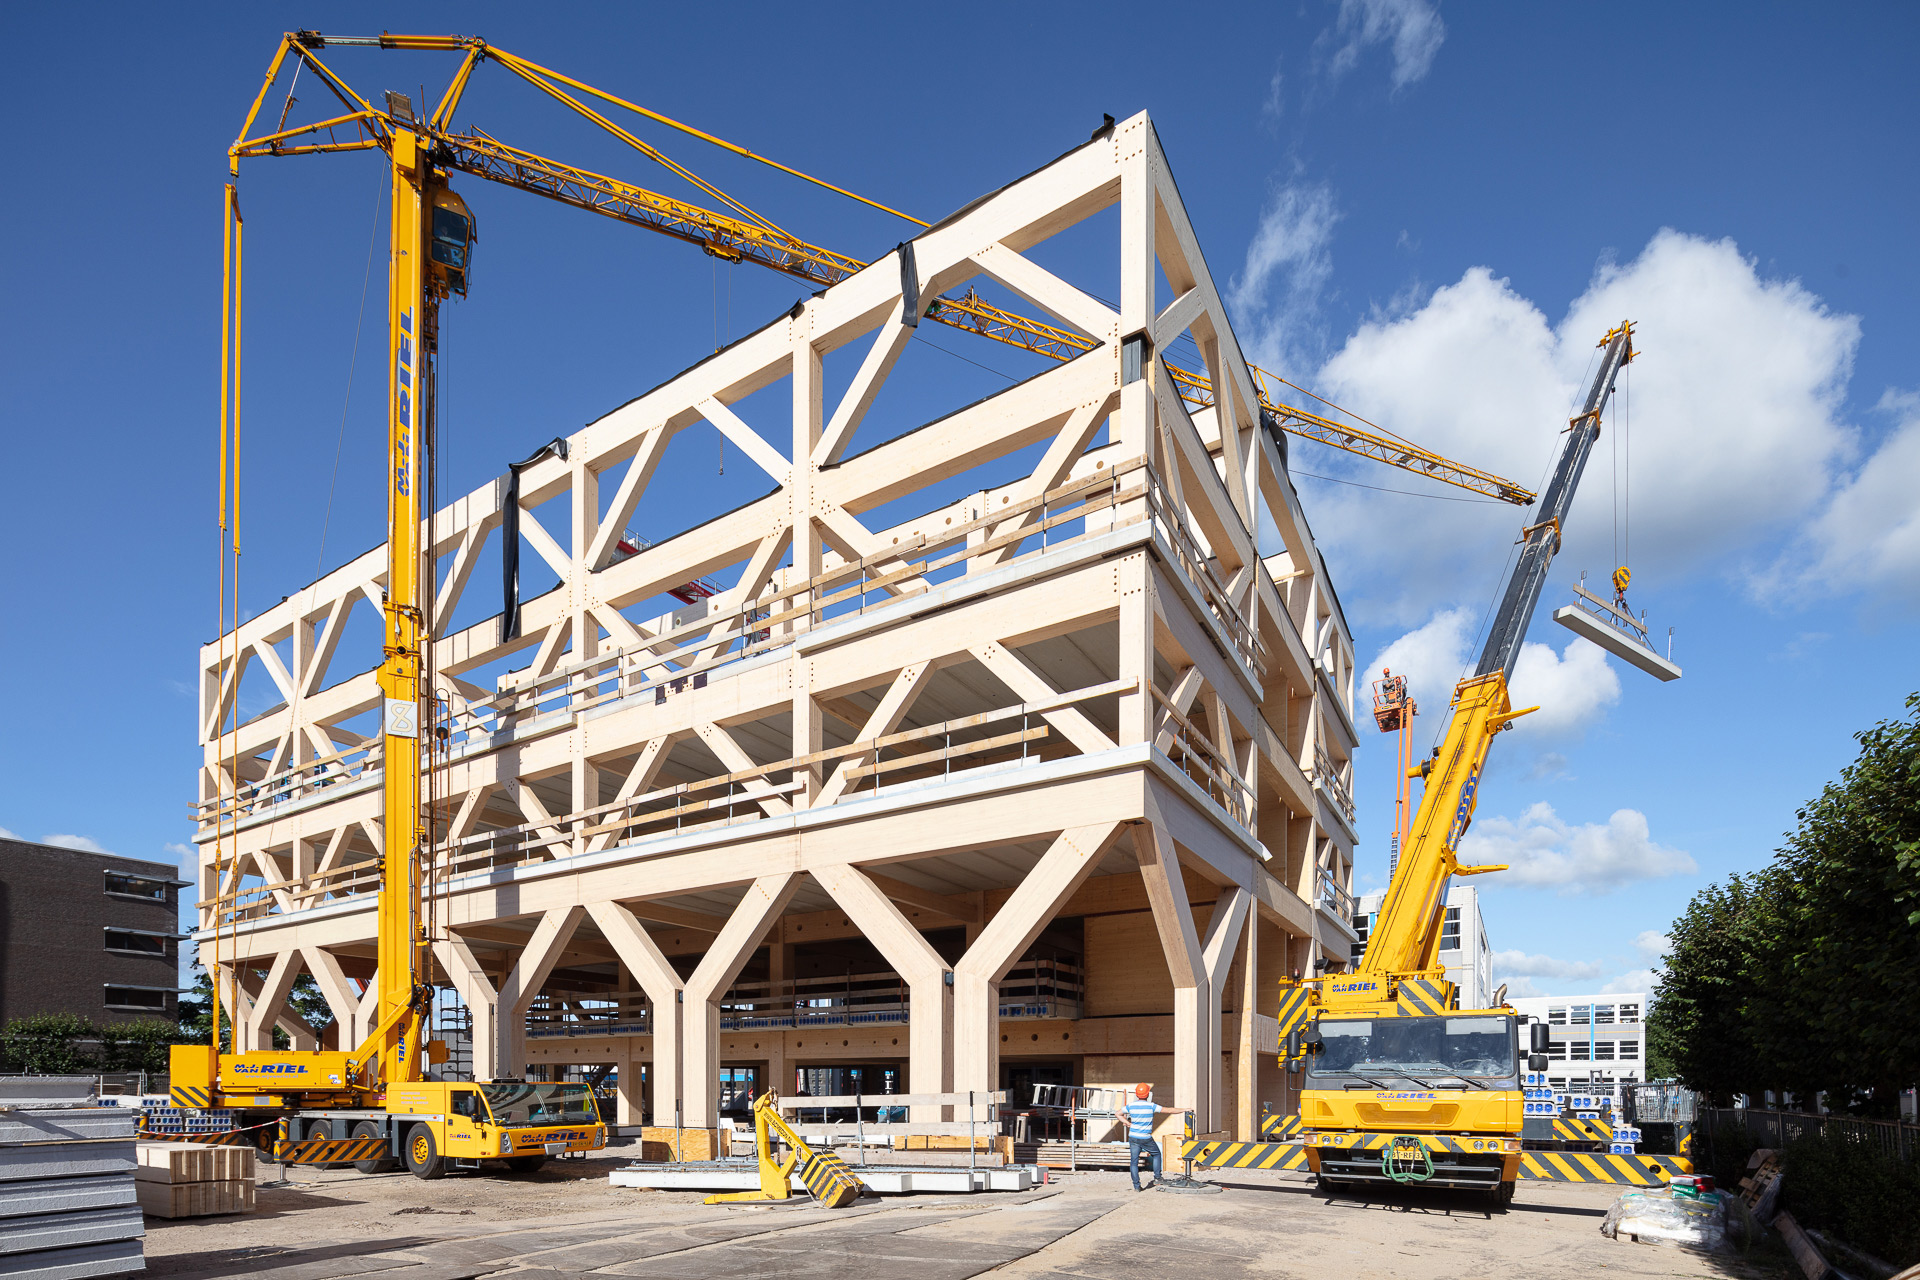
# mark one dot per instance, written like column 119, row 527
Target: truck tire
column 382, row 1164
column 525, row 1164
column 424, row 1160
column 1502, row 1196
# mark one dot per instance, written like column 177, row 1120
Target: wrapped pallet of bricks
column 67, row 1203
column 185, row 1180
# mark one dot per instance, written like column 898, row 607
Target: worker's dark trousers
column 1137, row 1147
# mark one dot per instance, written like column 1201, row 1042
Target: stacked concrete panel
column 67, row 1203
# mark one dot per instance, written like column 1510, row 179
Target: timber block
column 669, row 1145
column 179, row 1162
column 194, row 1199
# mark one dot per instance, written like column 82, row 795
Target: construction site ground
column 566, row 1221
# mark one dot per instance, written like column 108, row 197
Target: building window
column 1577, row 1050
column 1361, row 922
column 1555, row 1082
column 1603, row 1051
column 137, row 942
column 1603, row 1013
column 151, row 999
column 1630, row 1048
column 1557, row 1049
column 1450, row 930
column 1582, row 1013
column 1629, row 1013
column 123, row 885
column 1557, row 1017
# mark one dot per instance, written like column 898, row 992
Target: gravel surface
column 567, row 1221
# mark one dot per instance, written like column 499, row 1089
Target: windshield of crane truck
column 1394, row 1050
column 540, row 1104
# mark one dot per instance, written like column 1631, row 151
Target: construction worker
column 1141, row 1113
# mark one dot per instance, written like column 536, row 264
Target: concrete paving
column 567, row 1222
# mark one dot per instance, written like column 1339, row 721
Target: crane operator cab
column 450, row 242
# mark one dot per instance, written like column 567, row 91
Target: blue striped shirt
column 1140, row 1114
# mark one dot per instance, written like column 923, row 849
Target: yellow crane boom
column 743, row 235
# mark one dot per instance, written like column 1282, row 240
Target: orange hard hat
column 1142, row 1090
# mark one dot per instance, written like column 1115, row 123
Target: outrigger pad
column 1585, row 625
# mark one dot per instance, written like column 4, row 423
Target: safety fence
column 1780, row 1128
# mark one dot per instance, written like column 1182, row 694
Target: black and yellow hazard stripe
column 1245, row 1155
column 331, row 1150
column 1277, row 1128
column 1426, row 995
column 1574, row 1129
column 187, row 1096
column 828, row 1179
column 1595, row 1166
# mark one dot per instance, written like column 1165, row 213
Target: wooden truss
column 1080, row 670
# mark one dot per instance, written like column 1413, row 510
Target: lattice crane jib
column 742, row 235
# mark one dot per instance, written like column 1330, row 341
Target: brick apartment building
column 94, row 934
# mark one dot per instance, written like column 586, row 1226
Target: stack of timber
column 1071, row 1155
column 67, row 1206
column 185, row 1180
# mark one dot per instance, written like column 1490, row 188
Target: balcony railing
column 1046, row 987
column 1326, row 776
column 684, row 657
column 1334, row 896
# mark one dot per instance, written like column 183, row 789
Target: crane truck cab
column 1399, row 1087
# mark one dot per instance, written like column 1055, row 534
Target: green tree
column 139, row 1046
column 1800, row 976
column 52, row 1044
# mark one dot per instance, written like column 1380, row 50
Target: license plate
column 556, row 1148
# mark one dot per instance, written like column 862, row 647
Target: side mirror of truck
column 1536, row 1062
column 1292, row 1049
column 1542, row 1039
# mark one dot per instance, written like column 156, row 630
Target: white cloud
column 1277, row 293
column 1412, row 27
column 1544, row 851
column 7, row 835
column 1521, row 988
column 188, row 856
column 1520, row 964
column 1633, row 980
column 1652, row 944
column 1869, row 533
column 85, row 844
column 1728, row 430
column 1571, row 688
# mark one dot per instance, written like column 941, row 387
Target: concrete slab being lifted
column 726, row 1175
column 1627, row 649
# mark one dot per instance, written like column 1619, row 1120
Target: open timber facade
column 1050, row 782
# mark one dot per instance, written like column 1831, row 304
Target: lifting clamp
column 822, row 1173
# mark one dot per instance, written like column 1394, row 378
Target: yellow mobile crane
column 372, row 1104
column 1401, row 1084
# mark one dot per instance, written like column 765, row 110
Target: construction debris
column 67, row 1204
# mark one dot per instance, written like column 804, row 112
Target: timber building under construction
column 1047, row 784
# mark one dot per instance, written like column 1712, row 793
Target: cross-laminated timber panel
column 1041, row 662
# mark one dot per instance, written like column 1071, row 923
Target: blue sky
column 1427, row 213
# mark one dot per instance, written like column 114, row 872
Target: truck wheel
column 525, row 1164
column 424, row 1160
column 1500, row 1197
column 381, row 1164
